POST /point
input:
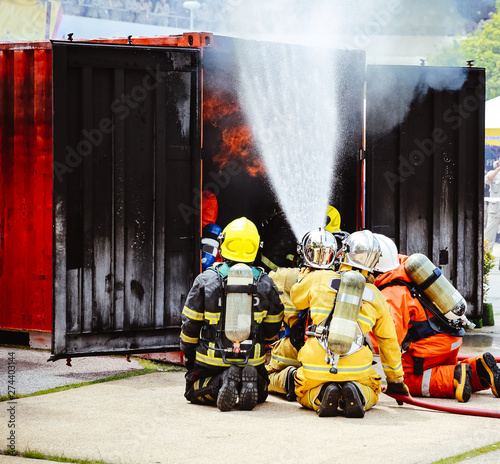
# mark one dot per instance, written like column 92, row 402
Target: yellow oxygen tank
column 238, row 317
column 345, row 316
column 437, row 288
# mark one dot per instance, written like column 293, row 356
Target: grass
column 149, row 367
column 47, row 457
column 38, row 455
column 469, row 454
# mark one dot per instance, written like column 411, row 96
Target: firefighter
column 283, row 363
column 430, row 342
column 210, row 230
column 332, row 219
column 279, row 243
column 230, row 299
column 280, row 256
column 349, row 385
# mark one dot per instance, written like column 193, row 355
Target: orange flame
column 222, row 111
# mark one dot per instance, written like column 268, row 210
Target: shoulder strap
column 395, row 282
column 223, row 270
column 257, row 273
column 424, row 329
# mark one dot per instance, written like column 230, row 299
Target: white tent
column 492, row 121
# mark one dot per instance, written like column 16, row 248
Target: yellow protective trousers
column 312, row 388
column 283, row 355
column 357, row 368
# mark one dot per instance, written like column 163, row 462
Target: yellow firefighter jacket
column 284, row 278
column 313, row 291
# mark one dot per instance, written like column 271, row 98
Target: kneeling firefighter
column 337, row 376
column 281, row 257
column 231, row 312
column 429, row 314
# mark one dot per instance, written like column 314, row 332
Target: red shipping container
column 26, row 176
column 26, row 186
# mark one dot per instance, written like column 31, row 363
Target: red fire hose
column 450, row 409
column 461, row 358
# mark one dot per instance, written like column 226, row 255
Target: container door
column 425, row 167
column 126, row 164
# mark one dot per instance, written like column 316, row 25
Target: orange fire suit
column 283, row 353
column 313, row 291
column 429, row 363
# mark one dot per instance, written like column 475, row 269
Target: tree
column 483, row 47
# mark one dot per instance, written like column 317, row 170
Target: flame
column 222, row 111
column 215, row 106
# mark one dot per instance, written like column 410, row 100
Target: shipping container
column 425, row 174
column 107, row 146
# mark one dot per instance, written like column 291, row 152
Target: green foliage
column 488, row 265
column 488, row 315
column 483, row 47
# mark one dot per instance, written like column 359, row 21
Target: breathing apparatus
column 239, row 243
column 442, row 295
column 340, row 333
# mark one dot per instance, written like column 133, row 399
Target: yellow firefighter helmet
column 240, row 241
column 333, row 219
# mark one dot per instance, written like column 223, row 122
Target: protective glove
column 188, row 362
column 397, row 388
column 297, row 334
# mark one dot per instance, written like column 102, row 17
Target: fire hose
column 451, row 409
column 462, row 358
column 440, row 407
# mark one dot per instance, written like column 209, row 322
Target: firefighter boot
column 461, row 381
column 290, row 384
column 228, row 393
column 329, row 395
column 488, row 372
column 249, row 393
column 353, row 402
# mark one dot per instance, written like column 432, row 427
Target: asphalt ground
column 146, row 419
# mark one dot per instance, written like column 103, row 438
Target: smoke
column 376, row 26
column 391, row 32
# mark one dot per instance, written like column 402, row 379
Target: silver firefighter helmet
column 318, row 248
column 362, row 250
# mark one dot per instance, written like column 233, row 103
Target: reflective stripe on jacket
column 203, row 308
column 313, row 291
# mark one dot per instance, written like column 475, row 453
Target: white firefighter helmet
column 389, row 254
column 318, row 248
column 362, row 250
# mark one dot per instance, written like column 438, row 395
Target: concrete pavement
column 146, row 420
column 33, row 373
